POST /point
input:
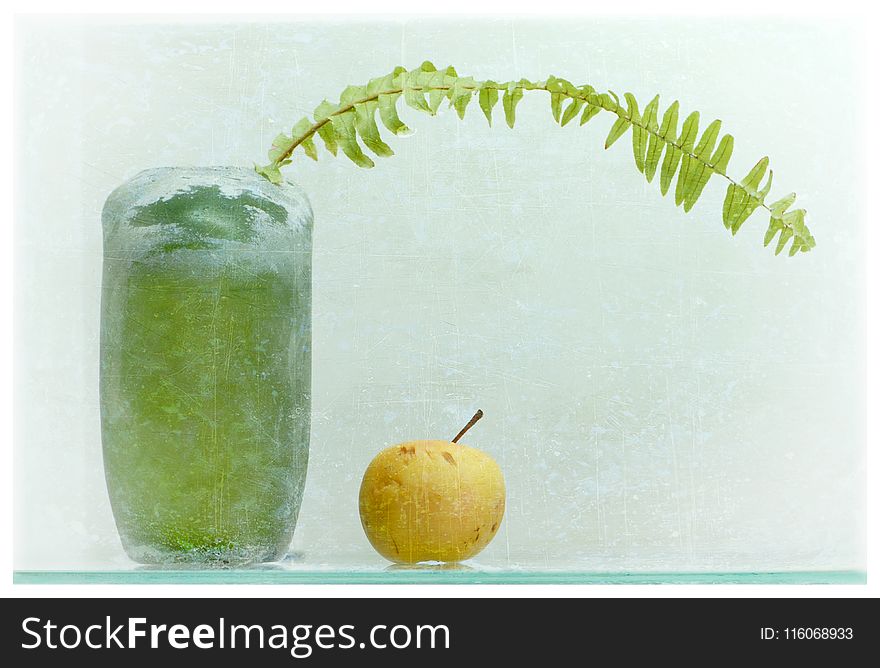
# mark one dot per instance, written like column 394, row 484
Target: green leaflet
column 280, row 146
column 325, row 131
column 669, row 126
column 655, row 146
column 670, row 165
column 689, row 131
column 346, row 135
column 439, row 85
column 352, row 95
column 512, row 95
column 590, row 111
column 306, row 140
column 381, row 85
column 273, row 173
column 722, row 155
column 791, row 226
column 461, row 102
column 695, row 168
column 488, row 99
column 706, row 145
column 557, row 94
column 385, row 91
column 640, row 132
column 308, row 144
column 775, row 226
column 667, row 133
column 786, row 234
column 742, row 199
column 413, row 92
column 706, row 163
column 684, row 155
column 571, row 111
column 621, row 125
column 780, row 206
column 461, row 93
column 388, row 113
column 365, row 124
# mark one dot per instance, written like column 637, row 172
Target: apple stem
column 470, row 424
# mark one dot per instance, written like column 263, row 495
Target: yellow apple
column 432, row 500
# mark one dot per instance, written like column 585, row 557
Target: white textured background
column 658, row 395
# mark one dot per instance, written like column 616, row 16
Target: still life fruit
column 432, row 500
column 206, row 330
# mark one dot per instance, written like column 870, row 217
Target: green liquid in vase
column 205, row 364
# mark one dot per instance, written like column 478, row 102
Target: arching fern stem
column 695, row 162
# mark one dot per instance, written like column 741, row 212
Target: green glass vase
column 205, row 363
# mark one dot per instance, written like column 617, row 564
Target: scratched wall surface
column 659, row 395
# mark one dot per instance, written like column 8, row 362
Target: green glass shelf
column 426, row 576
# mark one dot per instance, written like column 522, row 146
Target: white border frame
column 191, row 10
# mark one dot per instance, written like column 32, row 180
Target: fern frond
column 683, row 155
